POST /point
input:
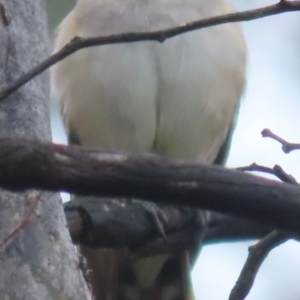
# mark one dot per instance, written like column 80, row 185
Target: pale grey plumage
column 177, row 99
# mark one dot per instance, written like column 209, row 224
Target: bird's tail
column 160, row 277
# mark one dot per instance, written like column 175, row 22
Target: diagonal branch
column 159, row 36
column 259, row 252
column 257, row 255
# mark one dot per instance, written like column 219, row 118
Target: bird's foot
column 157, row 217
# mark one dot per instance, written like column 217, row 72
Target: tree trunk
column 37, row 259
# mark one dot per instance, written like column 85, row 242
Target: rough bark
column 91, row 172
column 37, row 260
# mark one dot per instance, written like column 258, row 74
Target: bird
column 178, row 99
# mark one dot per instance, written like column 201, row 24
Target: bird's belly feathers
column 177, row 98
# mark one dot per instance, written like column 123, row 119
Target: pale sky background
column 272, row 100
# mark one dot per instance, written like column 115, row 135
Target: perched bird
column 178, row 99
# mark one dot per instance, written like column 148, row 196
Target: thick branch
column 159, row 36
column 113, row 223
column 90, row 172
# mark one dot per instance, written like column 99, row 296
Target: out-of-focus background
column 272, row 100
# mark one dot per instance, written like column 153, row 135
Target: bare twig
column 276, row 171
column 23, row 223
column 286, row 146
column 257, row 254
column 159, row 36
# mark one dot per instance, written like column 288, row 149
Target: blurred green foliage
column 57, row 10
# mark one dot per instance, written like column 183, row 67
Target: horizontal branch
column 91, row 172
column 111, row 223
column 159, row 36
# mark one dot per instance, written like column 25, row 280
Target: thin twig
column 160, row 36
column 287, row 147
column 23, row 223
column 276, row 171
column 257, row 254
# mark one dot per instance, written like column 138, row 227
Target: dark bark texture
column 91, row 172
column 116, row 223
